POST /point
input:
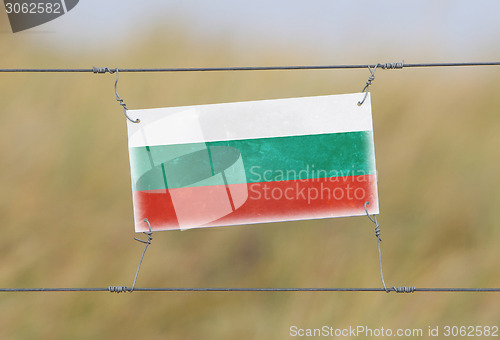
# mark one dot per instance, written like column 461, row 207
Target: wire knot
column 148, row 233
column 402, row 289
column 118, row 289
column 392, row 66
column 103, row 70
column 374, row 220
column 369, row 81
column 378, row 232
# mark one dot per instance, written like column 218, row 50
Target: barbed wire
column 398, row 65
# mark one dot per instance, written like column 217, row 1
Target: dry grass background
column 66, row 211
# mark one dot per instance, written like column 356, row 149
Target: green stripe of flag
column 264, row 159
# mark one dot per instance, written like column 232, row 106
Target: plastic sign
column 252, row 162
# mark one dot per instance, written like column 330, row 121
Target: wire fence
column 371, row 67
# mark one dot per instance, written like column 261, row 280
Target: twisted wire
column 379, row 239
column 117, row 289
column 404, row 289
column 102, row 70
column 392, row 66
column 147, row 242
column 118, row 99
column 368, row 83
column 377, row 234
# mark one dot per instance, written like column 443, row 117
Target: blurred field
column 66, row 211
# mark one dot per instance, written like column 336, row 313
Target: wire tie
column 118, row 99
column 368, row 83
column 147, row 243
column 121, row 289
column 377, row 235
column 404, row 289
column 371, row 78
column 117, row 289
column 102, row 70
column 392, row 66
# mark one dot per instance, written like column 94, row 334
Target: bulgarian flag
column 252, row 162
